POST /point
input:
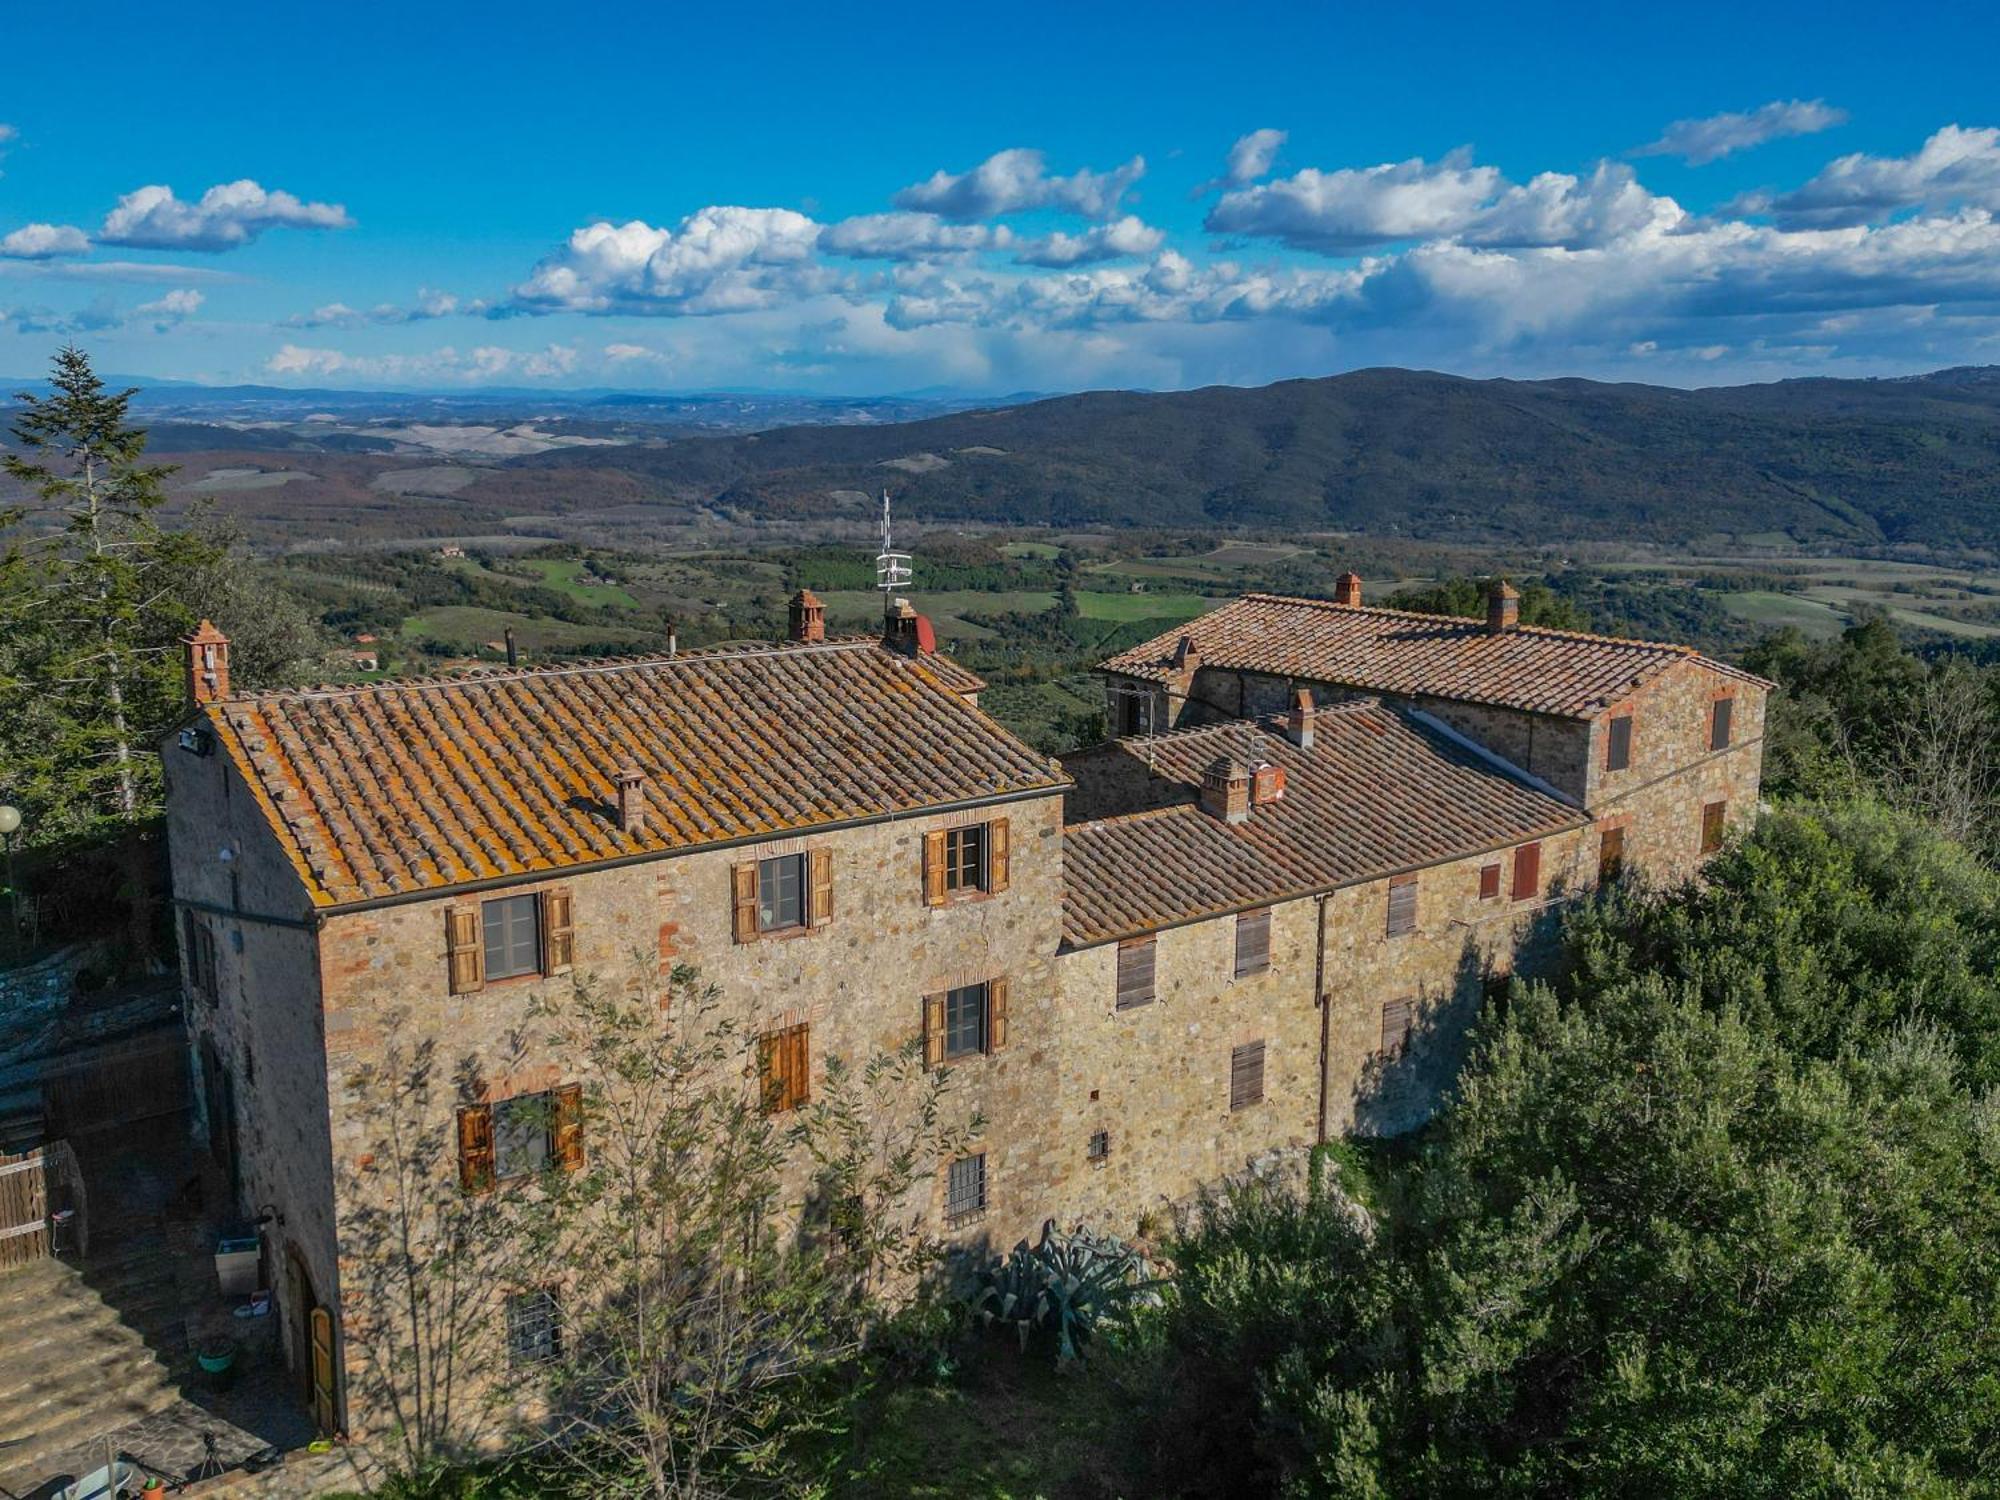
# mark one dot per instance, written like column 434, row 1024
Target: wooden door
column 325, row 1406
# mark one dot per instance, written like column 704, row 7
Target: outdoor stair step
column 157, row 1311
column 25, row 1466
column 51, row 1355
column 132, row 1383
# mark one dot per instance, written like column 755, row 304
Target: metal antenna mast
column 892, row 568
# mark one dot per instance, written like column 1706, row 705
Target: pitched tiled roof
column 411, row 786
column 1560, row 672
column 1380, row 792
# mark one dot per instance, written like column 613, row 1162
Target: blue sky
column 893, row 198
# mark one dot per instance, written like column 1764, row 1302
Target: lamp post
column 10, row 824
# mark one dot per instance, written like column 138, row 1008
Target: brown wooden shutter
column 798, row 1066
column 934, row 1030
column 934, row 869
column 999, row 854
column 743, row 885
column 1253, row 942
column 566, row 1126
column 1246, row 1075
column 1398, row 1016
column 1713, row 821
column 1618, row 744
column 996, row 1014
column 475, row 1148
column 1527, row 872
column 466, row 944
column 558, row 930
column 1610, row 855
column 1489, row 882
column 1135, row 972
column 819, row 910
column 1720, row 714
column 1402, row 906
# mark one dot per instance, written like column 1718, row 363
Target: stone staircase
column 81, row 1356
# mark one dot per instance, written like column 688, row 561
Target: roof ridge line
column 1548, row 631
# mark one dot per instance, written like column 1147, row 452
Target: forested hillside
column 1400, row 451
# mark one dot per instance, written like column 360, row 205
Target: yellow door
column 323, row 1403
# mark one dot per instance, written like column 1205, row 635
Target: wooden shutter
column 1610, row 854
column 1135, row 972
column 1402, row 905
column 743, row 887
column 784, row 1068
column 1527, row 872
column 566, row 1126
column 1489, row 882
column 798, row 1065
column 558, row 931
column 466, row 944
column 1253, row 942
column 999, row 854
column 996, row 1014
column 1618, row 744
column 819, row 898
column 1719, row 717
column 475, row 1148
column 934, row 870
column 934, row 1030
column 1246, row 1075
column 1397, row 1018
column 1713, row 815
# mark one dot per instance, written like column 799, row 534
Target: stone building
column 1148, row 965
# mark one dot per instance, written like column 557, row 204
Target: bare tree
column 1946, row 764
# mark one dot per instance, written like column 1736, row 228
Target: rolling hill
column 1858, row 462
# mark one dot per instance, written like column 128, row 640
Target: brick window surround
column 1618, row 743
column 1253, row 942
column 1246, row 1075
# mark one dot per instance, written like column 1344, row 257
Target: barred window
column 965, row 1187
column 534, row 1328
column 1253, row 942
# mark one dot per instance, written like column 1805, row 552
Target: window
column 512, row 932
column 1714, row 819
column 1527, row 872
column 519, row 1136
column 965, row 860
column 534, row 1328
column 1135, row 972
column 784, row 1068
column 1610, row 855
column 781, row 892
column 198, row 939
column 1399, row 1018
column 1402, row 905
column 1720, row 715
column 1246, row 1075
column 965, row 1187
column 1253, row 942
column 1100, row 1146
column 1618, row 744
column 1489, row 882
column 964, row 1022
column 1135, row 711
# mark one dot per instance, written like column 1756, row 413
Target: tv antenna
column 892, row 568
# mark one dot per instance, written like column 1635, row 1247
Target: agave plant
column 1064, row 1283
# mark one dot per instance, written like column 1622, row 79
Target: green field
column 1774, row 610
column 561, row 573
column 1094, row 606
column 469, row 628
column 1042, row 550
column 861, row 609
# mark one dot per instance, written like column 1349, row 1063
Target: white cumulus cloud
column 1955, row 166
column 1012, row 181
column 718, row 260
column 44, row 242
column 909, row 236
column 1356, row 207
column 1127, row 236
column 223, row 218
column 449, row 364
column 1699, row 142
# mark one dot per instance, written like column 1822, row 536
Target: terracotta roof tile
column 1559, row 672
column 1380, row 791
column 410, row 786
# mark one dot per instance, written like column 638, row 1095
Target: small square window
column 1253, row 942
column 1719, row 724
column 964, row 1022
column 534, row 1328
column 965, row 858
column 512, row 929
column 965, row 1187
column 781, row 892
column 523, row 1131
column 1618, row 744
column 1402, row 906
column 1489, row 882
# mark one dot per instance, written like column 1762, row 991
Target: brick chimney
column 1299, row 722
column 1503, row 608
column 1267, row 783
column 207, row 664
column 1347, row 590
column 904, row 630
column 808, row 618
column 1225, row 790
column 1187, row 656
column 631, row 782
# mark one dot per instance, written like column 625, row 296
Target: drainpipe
column 1325, row 1015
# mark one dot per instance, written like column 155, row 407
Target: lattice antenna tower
column 892, row 568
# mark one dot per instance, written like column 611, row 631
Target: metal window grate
column 534, row 1327
column 965, row 1187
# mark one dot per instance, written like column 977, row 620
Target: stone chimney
column 1187, row 657
column 1225, row 790
column 1503, row 608
column 1299, row 722
column 631, row 782
column 1267, row 783
column 207, row 664
column 1347, row 590
column 904, row 630
column 513, row 647
column 808, row 619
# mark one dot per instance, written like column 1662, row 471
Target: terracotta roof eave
column 645, row 856
column 1072, row 944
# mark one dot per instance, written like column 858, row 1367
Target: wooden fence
column 32, row 1186
column 141, row 1078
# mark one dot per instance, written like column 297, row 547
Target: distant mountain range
column 1907, row 460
